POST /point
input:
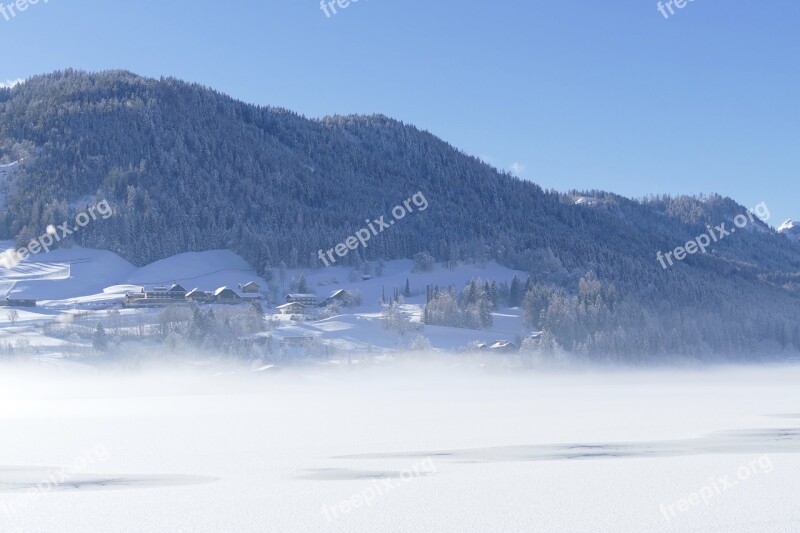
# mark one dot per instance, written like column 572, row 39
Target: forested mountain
column 187, row 168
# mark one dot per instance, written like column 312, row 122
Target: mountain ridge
column 190, row 169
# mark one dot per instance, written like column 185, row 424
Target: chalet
column 305, row 299
column 292, row 308
column 224, row 295
column 156, row 297
column 176, row 291
column 504, row 346
column 196, row 295
column 340, row 296
column 9, row 302
column 251, row 287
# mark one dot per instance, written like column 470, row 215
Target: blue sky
column 570, row 94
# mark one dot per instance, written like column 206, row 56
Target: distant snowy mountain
column 791, row 229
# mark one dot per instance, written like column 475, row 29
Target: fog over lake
column 416, row 446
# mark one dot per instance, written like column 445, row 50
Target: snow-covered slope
column 362, row 328
column 63, row 280
column 204, row 270
column 81, row 275
column 65, row 273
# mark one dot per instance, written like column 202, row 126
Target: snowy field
column 427, row 447
column 94, row 283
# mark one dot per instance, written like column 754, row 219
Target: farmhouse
column 292, row 308
column 8, row 302
column 196, row 295
column 176, row 291
column 156, row 297
column 305, row 299
column 224, row 295
column 341, row 296
column 251, row 287
column 504, row 346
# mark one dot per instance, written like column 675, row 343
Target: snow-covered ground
column 401, row 448
column 65, row 280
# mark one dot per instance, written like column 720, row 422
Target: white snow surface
column 206, row 451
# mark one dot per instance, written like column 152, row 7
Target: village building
column 251, row 287
column 10, row 302
column 224, row 295
column 305, row 299
column 504, row 347
column 158, row 296
column 340, row 296
column 292, row 308
column 198, row 296
column 177, row 292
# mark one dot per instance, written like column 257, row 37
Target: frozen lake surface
column 408, row 447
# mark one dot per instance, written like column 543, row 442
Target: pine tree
column 515, row 293
column 302, row 285
column 485, row 312
column 100, row 339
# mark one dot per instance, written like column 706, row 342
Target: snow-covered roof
column 336, row 293
column 221, row 290
column 196, row 292
column 502, row 344
column 291, row 304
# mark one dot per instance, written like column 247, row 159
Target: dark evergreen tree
column 302, row 285
column 100, row 339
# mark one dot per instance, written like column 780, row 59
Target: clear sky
column 566, row 93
